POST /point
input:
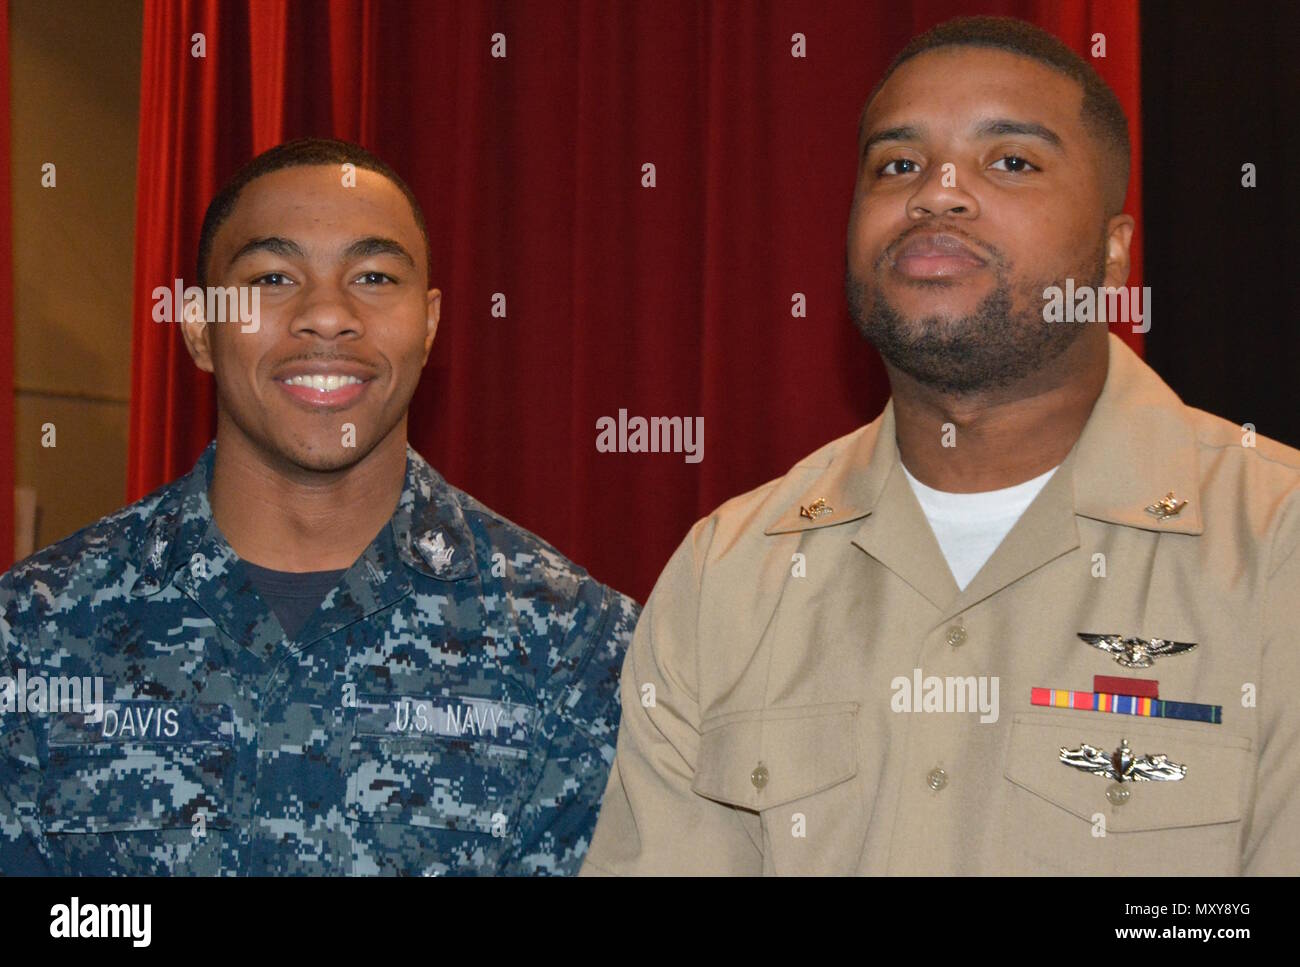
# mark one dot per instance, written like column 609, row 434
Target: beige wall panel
column 75, row 73
column 83, row 477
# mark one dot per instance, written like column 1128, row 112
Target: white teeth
column 325, row 384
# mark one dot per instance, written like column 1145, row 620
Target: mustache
column 994, row 255
column 325, row 357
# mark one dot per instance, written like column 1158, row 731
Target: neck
column 281, row 516
column 1001, row 437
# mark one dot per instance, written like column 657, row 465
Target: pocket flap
column 133, row 788
column 418, row 783
column 1209, row 793
column 140, row 765
column 764, row 758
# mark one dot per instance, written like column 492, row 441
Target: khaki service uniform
column 762, row 730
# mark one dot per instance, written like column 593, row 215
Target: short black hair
column 1102, row 113
column 302, row 152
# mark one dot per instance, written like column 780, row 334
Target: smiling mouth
column 324, row 390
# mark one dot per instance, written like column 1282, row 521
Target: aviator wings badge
column 1136, row 652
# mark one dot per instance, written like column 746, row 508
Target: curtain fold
column 673, row 300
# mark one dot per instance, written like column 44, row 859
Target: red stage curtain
column 665, row 301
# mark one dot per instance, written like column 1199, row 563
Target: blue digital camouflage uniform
column 450, row 708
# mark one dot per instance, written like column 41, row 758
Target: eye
column 372, row 278
column 280, row 277
column 1014, row 164
column 884, row 169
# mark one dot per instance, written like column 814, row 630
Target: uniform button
column 1117, row 794
column 199, row 567
column 937, row 779
column 759, row 776
column 956, row 636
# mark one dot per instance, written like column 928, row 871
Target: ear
column 1119, row 235
column 197, row 334
column 434, row 302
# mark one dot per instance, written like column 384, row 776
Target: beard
column 1000, row 342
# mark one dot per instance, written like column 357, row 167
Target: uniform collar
column 179, row 521
column 847, row 487
column 428, row 527
column 429, row 524
column 1138, row 445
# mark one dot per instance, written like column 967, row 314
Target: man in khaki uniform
column 836, row 672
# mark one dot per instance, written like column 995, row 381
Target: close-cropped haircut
column 303, row 152
column 1102, row 114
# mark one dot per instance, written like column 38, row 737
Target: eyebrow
column 902, row 133
column 273, row 244
column 361, row 248
column 1000, row 127
column 988, row 128
column 377, row 245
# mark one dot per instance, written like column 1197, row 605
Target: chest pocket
column 766, row 758
column 1061, row 820
column 144, row 789
column 434, row 784
column 792, row 767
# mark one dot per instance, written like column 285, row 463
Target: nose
column 940, row 193
column 325, row 313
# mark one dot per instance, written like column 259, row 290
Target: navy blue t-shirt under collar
column 293, row 596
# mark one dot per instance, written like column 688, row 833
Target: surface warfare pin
column 1136, row 652
column 1122, row 766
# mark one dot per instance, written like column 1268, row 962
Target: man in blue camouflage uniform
column 443, row 701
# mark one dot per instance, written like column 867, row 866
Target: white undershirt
column 969, row 527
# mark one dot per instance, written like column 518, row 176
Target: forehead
column 306, row 200
column 953, row 86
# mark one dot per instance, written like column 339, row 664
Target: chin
column 932, row 297
column 324, row 459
